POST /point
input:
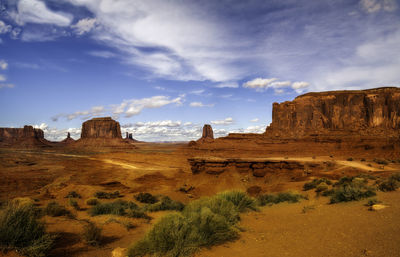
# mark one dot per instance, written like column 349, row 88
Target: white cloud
column 228, row 85
column 200, row 104
column 3, row 65
column 259, row 83
column 135, row 106
column 4, row 28
column 372, row 6
column 3, row 77
column 280, row 84
column 94, row 111
column 227, row 121
column 102, row 54
column 300, row 85
column 255, row 120
column 55, row 134
column 7, row 85
column 35, row 11
column 84, row 26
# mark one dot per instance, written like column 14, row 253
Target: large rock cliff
column 26, row 136
column 104, row 128
column 373, row 112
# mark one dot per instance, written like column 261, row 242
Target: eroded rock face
column 105, row 128
column 23, row 136
column 364, row 112
column 208, row 132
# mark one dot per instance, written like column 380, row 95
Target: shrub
column 382, row 162
column 146, row 198
column 315, row 182
column 350, row 159
column 137, row 214
column 72, row 194
column 204, row 222
column 372, row 201
column 321, row 187
column 118, row 207
column 107, row 195
column 74, row 204
column 92, row 201
column 54, row 209
column 20, row 230
column 390, row 184
column 363, row 159
column 166, row 203
column 351, row 189
column 270, row 199
column 241, row 200
column 92, row 234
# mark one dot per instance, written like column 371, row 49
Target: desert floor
column 309, row 228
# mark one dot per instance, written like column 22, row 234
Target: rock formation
column 104, row 128
column 373, row 112
column 68, row 140
column 207, row 132
column 27, row 136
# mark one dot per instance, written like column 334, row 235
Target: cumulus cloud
column 227, row 121
column 55, row 134
column 280, row 84
column 102, row 54
column 3, row 65
column 300, row 85
column 4, row 28
column 228, row 85
column 255, row 120
column 259, row 83
column 94, row 111
column 372, row 6
column 35, row 11
column 84, row 26
column 200, row 104
column 3, row 77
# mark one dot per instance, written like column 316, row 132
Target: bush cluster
column 21, row 230
column 92, row 234
column 118, row 207
column 269, row 199
column 73, row 194
column 54, row 209
column 204, row 222
column 351, row 189
column 146, row 198
column 392, row 183
column 107, row 195
column 313, row 184
column 164, row 204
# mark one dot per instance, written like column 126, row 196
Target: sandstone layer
column 104, row 128
column 373, row 112
column 26, row 136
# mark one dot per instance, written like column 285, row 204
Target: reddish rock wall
column 374, row 112
column 105, row 128
column 22, row 136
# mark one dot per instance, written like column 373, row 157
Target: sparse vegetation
column 139, row 214
column 204, row 222
column 107, row 195
column 363, row 159
column 307, row 208
column 350, row 159
column 92, row 234
column 382, row 162
column 92, row 201
column 74, row 204
column 54, row 209
column 118, row 207
column 240, row 199
column 315, row 182
column 166, row 203
column 73, row 194
column 269, row 199
column 21, row 230
column 351, row 189
column 146, row 198
column 392, row 183
column 372, row 201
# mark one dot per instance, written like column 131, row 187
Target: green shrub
column 350, row 159
column 107, row 195
column 363, row 159
column 20, row 230
column 166, row 203
column 72, row 194
column 74, row 204
column 351, row 189
column 372, row 201
column 92, row 234
column 240, row 199
column 390, row 184
column 146, row 198
column 54, row 209
column 315, row 182
column 270, row 199
column 92, row 201
column 321, row 187
column 118, row 207
column 139, row 214
column 204, row 222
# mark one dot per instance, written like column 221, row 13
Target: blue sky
column 165, row 68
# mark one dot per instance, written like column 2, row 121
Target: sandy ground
column 282, row 230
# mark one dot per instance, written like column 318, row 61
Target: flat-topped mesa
column 373, row 112
column 26, row 136
column 104, row 128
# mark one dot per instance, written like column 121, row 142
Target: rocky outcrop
column 102, row 128
column 373, row 112
column 207, row 132
column 27, row 136
column 68, row 140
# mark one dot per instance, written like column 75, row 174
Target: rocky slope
column 373, row 112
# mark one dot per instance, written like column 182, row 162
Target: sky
column 163, row 68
